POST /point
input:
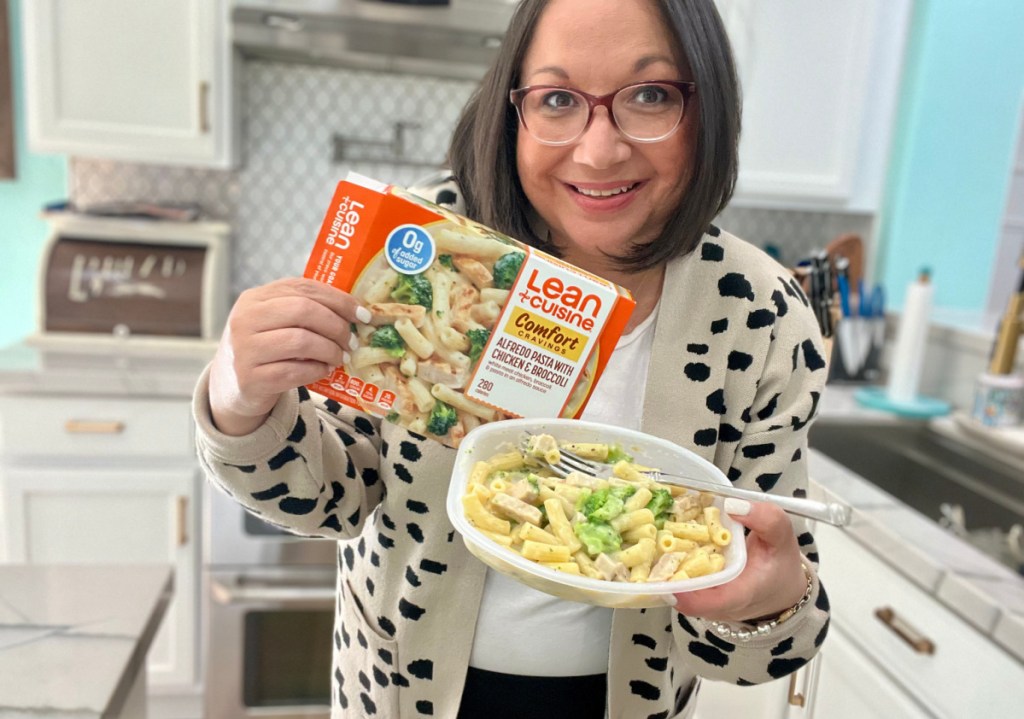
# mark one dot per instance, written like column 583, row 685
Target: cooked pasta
column 432, row 328
column 627, row 528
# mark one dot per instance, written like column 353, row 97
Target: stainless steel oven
column 270, row 599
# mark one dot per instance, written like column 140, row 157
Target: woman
column 721, row 356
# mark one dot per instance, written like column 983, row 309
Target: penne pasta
column 594, row 527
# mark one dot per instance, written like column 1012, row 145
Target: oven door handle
column 273, row 595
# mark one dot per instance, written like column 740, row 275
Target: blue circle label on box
column 409, row 249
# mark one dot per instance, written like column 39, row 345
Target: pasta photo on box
column 620, row 539
column 468, row 325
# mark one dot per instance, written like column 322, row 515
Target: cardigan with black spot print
column 736, row 375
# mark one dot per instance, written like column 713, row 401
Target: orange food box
column 468, row 325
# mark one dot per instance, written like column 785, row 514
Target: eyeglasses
column 643, row 111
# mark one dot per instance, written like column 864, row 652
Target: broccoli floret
column 477, row 340
column 414, row 290
column 597, row 537
column 446, row 260
column 442, row 419
column 506, row 269
column 617, row 454
column 605, row 504
column 392, row 416
column 387, row 337
column 660, row 503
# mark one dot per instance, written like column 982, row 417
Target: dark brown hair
column 482, row 154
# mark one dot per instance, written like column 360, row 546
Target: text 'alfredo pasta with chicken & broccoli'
column 468, row 325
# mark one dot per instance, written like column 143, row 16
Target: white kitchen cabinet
column 137, row 81
column 108, row 480
column 851, row 685
column 116, row 516
column 917, row 659
column 820, row 83
column 719, row 700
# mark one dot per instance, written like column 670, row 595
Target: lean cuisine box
column 468, row 326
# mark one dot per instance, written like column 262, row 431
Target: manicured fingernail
column 346, row 357
column 669, row 599
column 353, row 342
column 363, row 315
column 739, row 507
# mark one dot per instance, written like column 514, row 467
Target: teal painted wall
column 39, row 179
column 953, row 148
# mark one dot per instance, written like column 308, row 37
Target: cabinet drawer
column 94, row 427
column 964, row 673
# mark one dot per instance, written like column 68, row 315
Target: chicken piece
column 685, row 507
column 387, row 313
column 475, row 270
column 516, row 509
column 433, row 372
column 524, row 491
column 611, row 570
column 665, row 567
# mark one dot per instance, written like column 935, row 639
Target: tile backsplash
column 293, row 115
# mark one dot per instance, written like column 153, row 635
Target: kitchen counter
column 985, row 593
column 143, row 367
column 73, row 639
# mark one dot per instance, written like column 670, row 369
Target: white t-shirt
column 524, row 631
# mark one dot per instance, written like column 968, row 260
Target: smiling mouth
column 611, row 192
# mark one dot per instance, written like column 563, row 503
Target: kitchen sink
column 975, row 495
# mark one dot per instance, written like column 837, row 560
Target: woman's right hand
column 279, row 336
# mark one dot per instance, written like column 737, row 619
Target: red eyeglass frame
column 688, row 90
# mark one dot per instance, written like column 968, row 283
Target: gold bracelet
column 762, row 629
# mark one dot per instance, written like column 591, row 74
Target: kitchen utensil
column 832, row 512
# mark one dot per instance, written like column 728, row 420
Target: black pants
column 491, row 695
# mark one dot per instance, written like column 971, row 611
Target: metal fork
column 833, row 513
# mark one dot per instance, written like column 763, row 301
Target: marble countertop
column 154, row 368
column 985, row 593
column 72, row 637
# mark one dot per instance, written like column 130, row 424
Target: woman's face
column 599, row 46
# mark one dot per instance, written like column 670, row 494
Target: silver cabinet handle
column 277, row 595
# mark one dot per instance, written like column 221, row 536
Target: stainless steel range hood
column 457, row 39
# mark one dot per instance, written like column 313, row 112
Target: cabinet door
column 851, row 685
column 143, row 81
column 115, row 516
column 717, row 700
column 820, row 83
column 947, row 666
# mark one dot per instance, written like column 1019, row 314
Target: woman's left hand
column 772, row 580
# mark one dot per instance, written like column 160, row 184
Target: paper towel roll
column 911, row 339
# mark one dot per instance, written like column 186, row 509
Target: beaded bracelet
column 765, row 628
